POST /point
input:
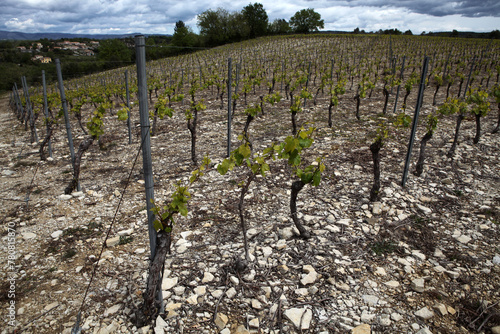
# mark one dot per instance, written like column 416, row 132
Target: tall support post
column 30, row 116
column 46, row 109
column 415, row 119
column 26, row 111
column 331, row 70
column 282, row 75
column 129, row 121
column 399, row 86
column 19, row 105
column 446, row 64
column 468, row 77
column 307, row 82
column 23, row 108
column 147, row 165
column 229, row 104
column 66, row 116
column 238, row 68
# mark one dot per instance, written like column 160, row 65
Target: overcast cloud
column 159, row 16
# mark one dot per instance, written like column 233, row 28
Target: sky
column 159, row 16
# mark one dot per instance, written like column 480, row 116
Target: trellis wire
column 76, row 329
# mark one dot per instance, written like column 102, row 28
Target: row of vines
column 282, row 78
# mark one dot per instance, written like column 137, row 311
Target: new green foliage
column 178, row 203
column 479, row 108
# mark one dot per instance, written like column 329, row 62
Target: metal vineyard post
column 142, row 85
column 66, row 117
column 415, row 120
column 45, row 109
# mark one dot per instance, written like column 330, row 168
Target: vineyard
column 311, row 218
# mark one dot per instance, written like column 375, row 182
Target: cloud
column 25, row 25
column 467, row 8
column 159, row 16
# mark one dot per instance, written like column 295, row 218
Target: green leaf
column 294, row 158
column 244, row 150
column 306, row 177
column 316, row 178
column 238, row 158
column 123, row 114
column 183, row 210
column 290, row 144
column 223, row 167
column 157, row 225
column 304, row 143
column 264, row 168
column 255, row 168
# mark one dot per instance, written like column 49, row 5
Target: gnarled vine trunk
column 375, row 149
column 478, row 129
column 421, row 157
column 150, row 306
column 294, row 123
column 244, row 190
column 358, row 102
column 451, row 152
column 296, row 187
column 330, row 107
column 404, row 100
column 84, row 146
column 44, row 142
column 435, row 95
column 386, row 100
column 192, row 129
column 495, row 130
column 78, row 116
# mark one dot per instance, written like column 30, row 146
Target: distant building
column 87, row 52
column 42, row 59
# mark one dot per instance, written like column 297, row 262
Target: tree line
column 220, row 26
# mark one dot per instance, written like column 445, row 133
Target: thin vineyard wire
column 76, row 328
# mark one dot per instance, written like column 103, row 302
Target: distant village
column 78, row 48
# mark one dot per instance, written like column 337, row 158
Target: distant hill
column 15, row 35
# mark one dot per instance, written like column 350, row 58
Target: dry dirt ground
column 424, row 258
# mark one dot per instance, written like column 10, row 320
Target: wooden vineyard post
column 415, row 120
column 142, row 85
column 66, row 116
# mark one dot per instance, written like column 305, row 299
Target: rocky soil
column 423, row 259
